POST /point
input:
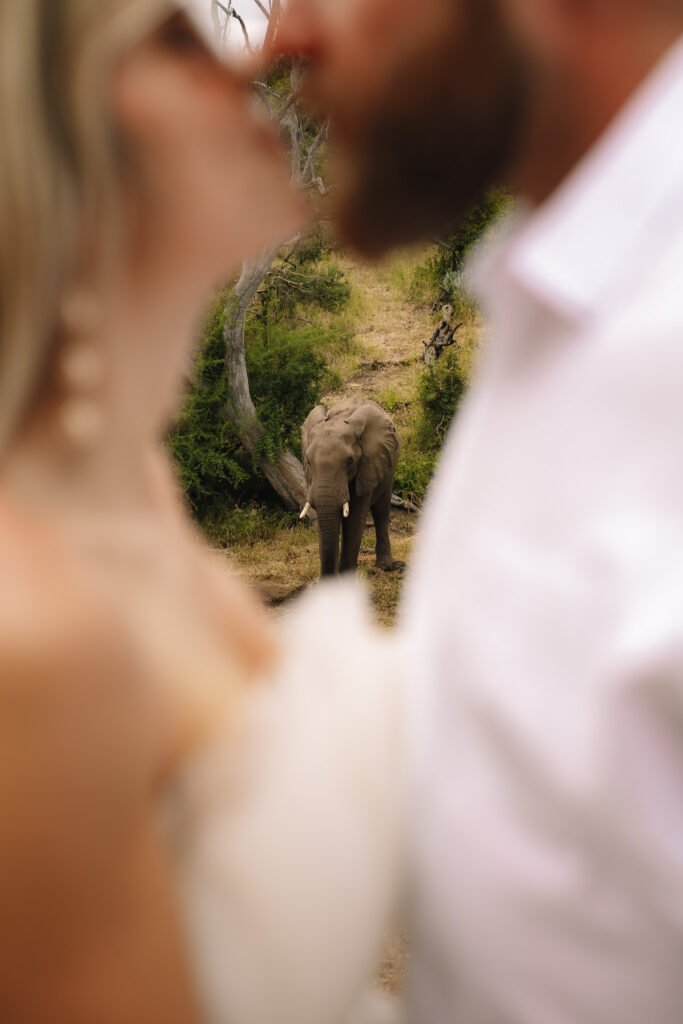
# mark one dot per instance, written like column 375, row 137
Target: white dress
column 285, row 831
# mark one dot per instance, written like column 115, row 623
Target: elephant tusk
column 345, row 510
column 305, row 510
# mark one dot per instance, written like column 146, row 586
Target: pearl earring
column 81, row 370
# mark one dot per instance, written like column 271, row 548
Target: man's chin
column 410, row 168
column 375, row 217
column 361, row 233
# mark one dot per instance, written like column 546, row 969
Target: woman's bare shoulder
column 79, row 856
column 67, row 671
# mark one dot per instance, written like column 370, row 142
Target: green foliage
column 424, row 283
column 248, row 524
column 210, row 460
column 287, row 374
column 305, row 278
column 278, row 77
column 439, row 391
column 413, row 473
column 440, row 388
column 390, row 399
column 465, row 309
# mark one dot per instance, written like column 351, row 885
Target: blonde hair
column 58, row 168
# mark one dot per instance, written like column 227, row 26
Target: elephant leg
column 352, row 534
column 381, row 510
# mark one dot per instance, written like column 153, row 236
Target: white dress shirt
column 544, row 614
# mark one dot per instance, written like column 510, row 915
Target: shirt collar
column 571, row 251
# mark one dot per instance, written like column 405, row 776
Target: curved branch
column 286, row 106
column 229, row 12
column 308, row 174
column 242, row 25
column 286, row 475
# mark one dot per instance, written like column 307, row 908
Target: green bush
column 247, row 524
column 287, row 377
column 439, row 391
column 304, row 279
column 423, row 285
column 413, row 473
column 211, row 463
column 390, row 400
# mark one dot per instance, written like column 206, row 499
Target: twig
column 287, row 105
column 309, row 166
column 240, row 20
column 262, row 9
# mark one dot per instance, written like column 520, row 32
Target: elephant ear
column 314, row 417
column 379, row 444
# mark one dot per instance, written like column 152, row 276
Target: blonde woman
column 196, row 825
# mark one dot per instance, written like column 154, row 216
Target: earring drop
column 81, row 371
column 81, row 421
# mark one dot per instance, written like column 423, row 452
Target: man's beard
column 447, row 130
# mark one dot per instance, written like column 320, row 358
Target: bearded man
column 544, row 613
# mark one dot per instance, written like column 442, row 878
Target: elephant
column 349, row 455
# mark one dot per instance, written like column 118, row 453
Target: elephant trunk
column 329, row 522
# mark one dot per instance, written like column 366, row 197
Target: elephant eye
column 349, row 461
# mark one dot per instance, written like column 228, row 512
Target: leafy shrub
column 464, row 306
column 287, row 377
column 390, row 399
column 413, row 473
column 247, row 524
column 305, row 278
column 424, row 283
column 439, row 391
column 211, row 462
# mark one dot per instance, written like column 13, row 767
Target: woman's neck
column 118, row 476
column 143, row 346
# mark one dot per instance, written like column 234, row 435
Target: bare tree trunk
column 286, row 475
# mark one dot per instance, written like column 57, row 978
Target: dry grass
column 288, row 562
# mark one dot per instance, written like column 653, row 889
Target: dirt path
column 393, row 325
column 391, row 331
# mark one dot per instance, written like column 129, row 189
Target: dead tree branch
column 286, row 475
